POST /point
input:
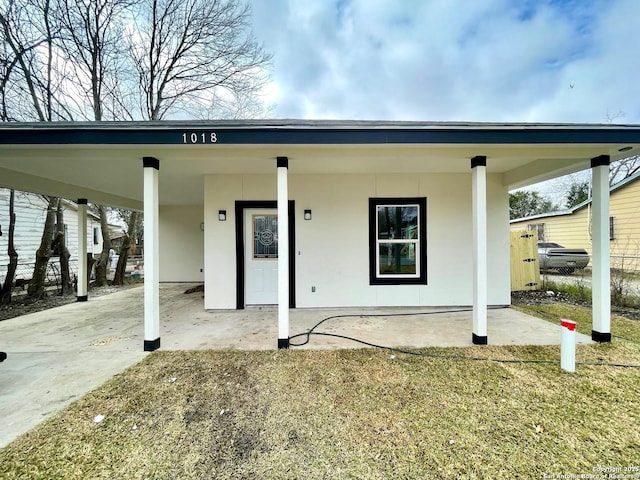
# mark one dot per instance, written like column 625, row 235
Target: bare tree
column 235, row 105
column 102, row 264
column 187, row 52
column 94, row 36
column 623, row 169
column 93, row 40
column 59, row 247
column 28, row 33
column 125, row 249
column 35, row 73
column 44, row 252
column 5, row 292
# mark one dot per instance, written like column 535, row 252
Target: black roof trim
column 311, row 132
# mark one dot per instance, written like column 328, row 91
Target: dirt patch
column 23, row 305
column 196, row 289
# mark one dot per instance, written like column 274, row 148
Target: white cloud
column 486, row 60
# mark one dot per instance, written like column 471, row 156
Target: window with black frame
column 397, row 241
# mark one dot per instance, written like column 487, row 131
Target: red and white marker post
column 568, row 345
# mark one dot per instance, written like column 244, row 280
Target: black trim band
column 172, row 133
column 83, row 298
column 151, row 162
column 601, row 161
column 151, row 345
column 600, row 337
column 283, row 343
column 479, row 161
column 283, row 162
column 240, row 281
column 479, row 340
column 82, row 201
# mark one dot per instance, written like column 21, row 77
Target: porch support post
column 82, row 251
column 283, row 255
column 479, row 206
column 151, row 255
column 601, row 262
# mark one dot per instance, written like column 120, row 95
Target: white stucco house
column 368, row 213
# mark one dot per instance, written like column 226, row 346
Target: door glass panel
column 397, row 258
column 265, row 236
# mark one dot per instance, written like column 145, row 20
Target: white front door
column 261, row 256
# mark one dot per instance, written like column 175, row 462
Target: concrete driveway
column 58, row 355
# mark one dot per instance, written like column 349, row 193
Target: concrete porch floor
column 58, row 355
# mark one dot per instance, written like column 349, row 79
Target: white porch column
column 151, row 255
column 283, row 253
column 82, row 251
column 479, row 206
column 601, row 273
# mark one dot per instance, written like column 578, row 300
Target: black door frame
column 241, row 205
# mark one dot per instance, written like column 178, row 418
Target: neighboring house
column 572, row 228
column 31, row 211
column 320, row 214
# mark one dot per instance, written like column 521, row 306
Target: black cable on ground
column 435, row 355
column 373, row 315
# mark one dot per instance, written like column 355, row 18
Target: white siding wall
column 181, row 244
column 31, row 211
column 332, row 249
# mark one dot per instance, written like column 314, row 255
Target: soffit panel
column 117, row 169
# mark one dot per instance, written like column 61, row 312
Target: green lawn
column 347, row 414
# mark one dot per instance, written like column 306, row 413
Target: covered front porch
column 190, row 177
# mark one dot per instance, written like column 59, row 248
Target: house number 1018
column 194, row 138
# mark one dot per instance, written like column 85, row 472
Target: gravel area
column 541, row 297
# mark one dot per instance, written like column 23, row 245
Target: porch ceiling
column 112, row 173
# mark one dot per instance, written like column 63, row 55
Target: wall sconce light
column 202, row 226
column 222, row 215
column 307, row 214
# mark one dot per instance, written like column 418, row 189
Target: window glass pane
column 265, row 236
column 397, row 258
column 397, row 222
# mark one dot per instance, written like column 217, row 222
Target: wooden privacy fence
column 525, row 264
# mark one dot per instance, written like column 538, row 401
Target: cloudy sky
column 465, row 60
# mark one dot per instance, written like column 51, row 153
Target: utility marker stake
column 568, row 345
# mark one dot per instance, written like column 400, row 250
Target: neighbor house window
column 397, row 241
column 95, row 236
column 612, row 232
column 538, row 227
